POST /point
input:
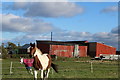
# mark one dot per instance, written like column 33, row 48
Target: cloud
column 94, row 0
column 72, row 35
column 35, row 0
column 115, row 30
column 108, row 38
column 57, row 36
column 61, row 0
column 47, row 9
column 37, row 29
column 102, row 35
column 13, row 23
column 110, row 9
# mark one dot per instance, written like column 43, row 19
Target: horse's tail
column 54, row 66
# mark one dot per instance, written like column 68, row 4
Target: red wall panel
column 104, row 49
column 67, row 51
column 62, row 50
column 82, row 51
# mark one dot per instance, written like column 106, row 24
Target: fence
column 11, row 67
column 66, row 67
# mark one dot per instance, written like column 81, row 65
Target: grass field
column 68, row 68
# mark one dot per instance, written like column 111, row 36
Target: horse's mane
column 38, row 50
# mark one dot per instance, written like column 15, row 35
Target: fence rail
column 90, row 65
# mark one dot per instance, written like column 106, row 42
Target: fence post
column 11, row 68
column 91, row 67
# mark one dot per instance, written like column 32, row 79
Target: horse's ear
column 30, row 44
column 34, row 44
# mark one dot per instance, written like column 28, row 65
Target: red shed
column 63, row 49
column 83, row 51
column 95, row 49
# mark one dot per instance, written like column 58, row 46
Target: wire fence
column 16, row 67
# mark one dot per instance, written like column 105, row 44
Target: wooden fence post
column 11, row 68
column 91, row 67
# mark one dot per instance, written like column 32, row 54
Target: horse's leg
column 35, row 74
column 47, row 72
column 42, row 74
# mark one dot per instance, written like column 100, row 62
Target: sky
column 25, row 22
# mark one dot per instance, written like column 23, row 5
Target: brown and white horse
column 41, row 62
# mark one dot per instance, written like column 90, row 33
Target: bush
column 19, row 55
column 4, row 53
column 5, row 56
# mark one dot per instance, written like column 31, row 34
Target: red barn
column 63, row 49
column 95, row 49
column 83, row 50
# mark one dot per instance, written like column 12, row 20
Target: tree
column 11, row 45
column 4, row 51
column 7, row 51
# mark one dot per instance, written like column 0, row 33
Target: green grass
column 68, row 68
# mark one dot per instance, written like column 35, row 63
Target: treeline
column 10, row 50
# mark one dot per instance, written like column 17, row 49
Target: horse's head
column 32, row 49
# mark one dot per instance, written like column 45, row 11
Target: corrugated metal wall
column 72, row 49
column 62, row 50
column 104, row 49
column 95, row 49
column 82, row 51
column 68, row 51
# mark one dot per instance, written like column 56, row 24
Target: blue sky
column 92, row 17
column 93, row 21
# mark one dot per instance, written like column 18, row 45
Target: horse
column 41, row 62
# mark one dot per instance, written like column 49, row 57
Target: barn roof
column 62, row 42
column 25, row 46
